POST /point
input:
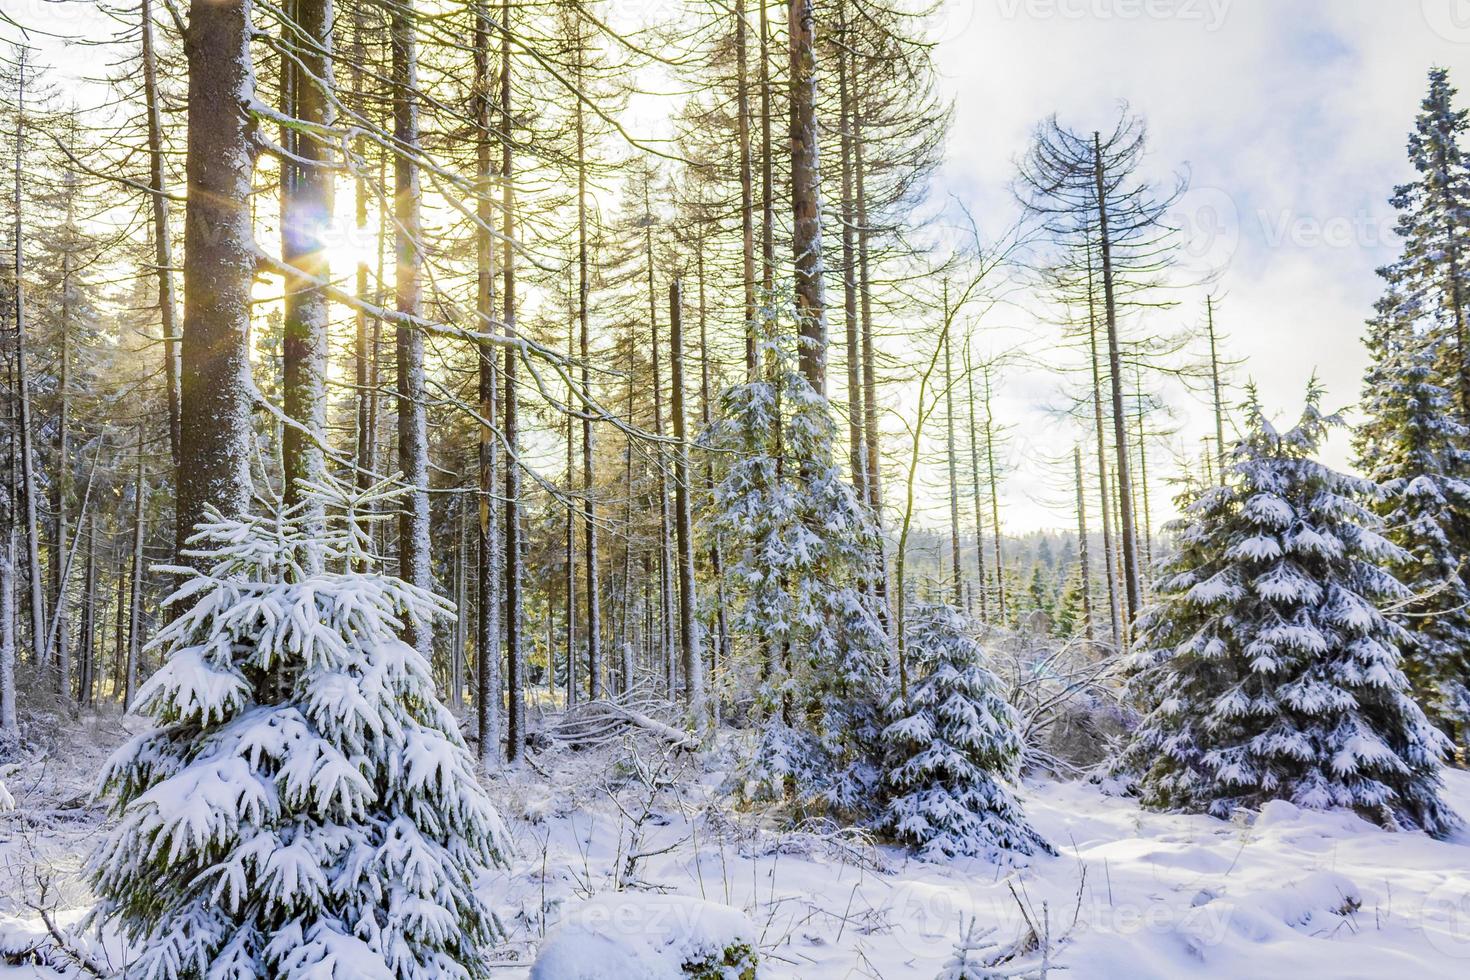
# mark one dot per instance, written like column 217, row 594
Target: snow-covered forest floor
column 1281, row 894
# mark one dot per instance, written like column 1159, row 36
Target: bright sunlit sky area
column 1289, row 118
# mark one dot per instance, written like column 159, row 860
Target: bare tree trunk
column 488, row 693
column 23, row 386
column 1219, row 398
column 135, row 607
column 1000, row 565
column 9, row 725
column 87, row 636
column 691, row 654
column 219, row 268
column 806, row 195
column 665, row 537
column 570, row 543
column 975, row 488
column 366, row 360
column 1082, row 556
column 1148, row 534
column 747, row 195
column 625, row 680
column 162, row 234
column 415, row 564
column 768, row 152
column 855, row 413
column 306, row 201
column 720, row 653
column 1110, row 563
column 61, row 478
column 516, row 717
column 954, row 480
column 1115, row 369
column 589, row 503
column 873, row 483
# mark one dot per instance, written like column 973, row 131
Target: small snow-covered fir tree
column 1415, row 452
column 305, row 806
column 802, row 551
column 1266, row 667
column 953, row 749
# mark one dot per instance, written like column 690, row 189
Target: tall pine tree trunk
column 135, row 606
column 516, row 718
column 366, row 360
column 855, row 413
column 720, row 652
column 216, row 434
column 589, row 502
column 415, row 563
column 1110, row 562
column 23, row 387
column 488, row 693
column 1127, row 526
column 306, row 212
column 163, row 257
column 747, row 190
column 690, row 652
column 975, row 489
column 954, row 482
column 1082, row 553
column 806, row 195
column 1215, row 384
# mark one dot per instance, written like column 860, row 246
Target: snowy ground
column 1133, row 894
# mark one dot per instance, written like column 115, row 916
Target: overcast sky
column 1290, row 117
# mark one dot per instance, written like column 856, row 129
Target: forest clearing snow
column 1133, row 894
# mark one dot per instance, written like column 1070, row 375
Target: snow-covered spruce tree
column 1413, row 447
column 953, row 749
column 1428, row 287
column 305, row 806
column 802, row 551
column 1266, row 667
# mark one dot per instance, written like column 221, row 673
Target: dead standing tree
column 1088, row 194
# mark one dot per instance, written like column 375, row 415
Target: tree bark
column 747, row 190
column 306, row 213
column 23, row 386
column 975, row 489
column 163, row 257
column 691, row 654
column 954, row 480
column 219, row 268
column 589, row 501
column 135, row 606
column 855, row 412
column 415, row 561
column 1110, row 562
column 1082, row 556
column 1216, row 386
column 515, row 730
column 806, row 195
column 1115, row 370
column 489, row 696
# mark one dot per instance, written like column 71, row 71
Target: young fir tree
column 1417, row 456
column 1266, row 667
column 1429, row 285
column 953, row 748
column 802, row 550
column 305, row 806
